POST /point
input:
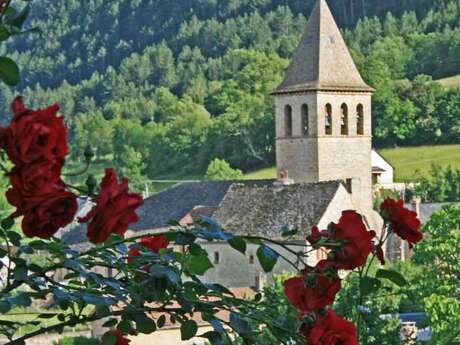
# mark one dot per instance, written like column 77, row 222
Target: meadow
column 409, row 162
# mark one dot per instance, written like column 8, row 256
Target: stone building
column 323, row 111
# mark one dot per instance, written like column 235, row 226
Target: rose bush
column 349, row 244
column 153, row 282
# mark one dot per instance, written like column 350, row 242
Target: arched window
column 304, row 112
column 360, row 119
column 251, row 259
column 344, row 120
column 288, row 121
column 216, row 258
column 328, row 120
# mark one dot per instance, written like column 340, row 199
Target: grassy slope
column 407, row 161
column 450, row 82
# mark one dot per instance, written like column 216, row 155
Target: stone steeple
column 323, row 113
column 322, row 61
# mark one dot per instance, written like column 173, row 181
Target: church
column 324, row 149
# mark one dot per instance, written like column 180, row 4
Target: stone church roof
column 265, row 210
column 244, row 207
column 249, row 207
column 322, row 60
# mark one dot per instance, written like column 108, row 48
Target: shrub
column 220, row 170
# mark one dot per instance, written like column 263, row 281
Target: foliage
column 220, row 170
column 444, row 316
column 77, row 341
column 435, row 276
column 377, row 329
column 438, row 254
column 272, row 301
column 162, row 69
column 442, row 186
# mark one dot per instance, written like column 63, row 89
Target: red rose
column 313, row 291
column 316, row 236
column 349, row 242
column 35, row 135
column 121, row 340
column 115, row 209
column 37, row 177
column 331, row 329
column 403, row 222
column 44, row 214
column 153, row 243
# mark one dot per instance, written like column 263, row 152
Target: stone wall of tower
column 297, row 154
column 346, row 156
column 319, row 157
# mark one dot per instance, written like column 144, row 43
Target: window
column 288, row 121
column 328, row 120
column 251, row 259
column 360, row 120
column 304, row 112
column 344, row 120
column 216, row 257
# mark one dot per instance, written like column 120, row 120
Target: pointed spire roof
column 322, row 60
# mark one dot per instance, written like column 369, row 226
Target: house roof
column 427, row 209
column 250, row 207
column 378, row 170
column 383, row 158
column 265, row 209
column 322, row 60
column 178, row 201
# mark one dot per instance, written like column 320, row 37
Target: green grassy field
column 409, row 162
column 450, row 82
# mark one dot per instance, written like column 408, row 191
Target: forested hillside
column 169, row 85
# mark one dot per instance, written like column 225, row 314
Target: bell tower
column 323, row 112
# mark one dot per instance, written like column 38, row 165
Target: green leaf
column 185, row 238
column 38, row 245
column 125, row 326
column 188, row 329
column 392, row 276
column 369, row 285
column 20, row 273
column 114, row 238
column 239, row 325
column 14, row 238
column 21, row 300
column 161, row 321
column 4, row 33
column 239, row 244
column 110, row 323
column 267, row 258
column 198, row 265
column 5, row 307
column 7, row 223
column 215, row 338
column 9, row 71
column 144, row 324
column 109, row 338
column 18, row 19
